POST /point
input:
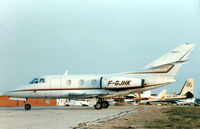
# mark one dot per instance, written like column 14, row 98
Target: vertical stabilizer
column 162, row 94
column 169, row 64
column 188, row 88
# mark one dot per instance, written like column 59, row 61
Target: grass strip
column 178, row 117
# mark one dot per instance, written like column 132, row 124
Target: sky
column 94, row 37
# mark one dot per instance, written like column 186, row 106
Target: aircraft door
column 55, row 88
column 101, row 82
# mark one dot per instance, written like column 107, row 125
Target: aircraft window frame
column 69, row 82
column 94, row 81
column 42, row 80
column 34, row 81
column 81, row 82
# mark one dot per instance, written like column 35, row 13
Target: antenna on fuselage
column 66, row 72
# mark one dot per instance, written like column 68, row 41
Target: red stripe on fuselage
column 90, row 88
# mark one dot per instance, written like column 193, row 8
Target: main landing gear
column 27, row 107
column 101, row 104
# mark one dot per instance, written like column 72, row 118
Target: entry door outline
column 55, row 84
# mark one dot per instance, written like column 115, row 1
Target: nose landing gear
column 27, row 106
column 101, row 104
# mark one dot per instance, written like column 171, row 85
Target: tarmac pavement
column 55, row 117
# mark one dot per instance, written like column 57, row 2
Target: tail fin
column 162, row 94
column 170, row 63
column 188, row 88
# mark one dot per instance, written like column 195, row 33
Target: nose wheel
column 101, row 104
column 27, row 107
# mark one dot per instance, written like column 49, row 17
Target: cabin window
column 69, row 82
column 94, row 82
column 81, row 82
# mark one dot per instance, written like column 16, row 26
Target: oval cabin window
column 69, row 82
column 94, row 82
column 81, row 82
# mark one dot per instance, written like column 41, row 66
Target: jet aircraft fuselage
column 86, row 86
column 158, row 73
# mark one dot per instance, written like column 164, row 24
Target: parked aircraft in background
column 85, row 102
column 158, row 73
column 186, row 93
column 186, row 101
column 146, row 96
column 197, row 102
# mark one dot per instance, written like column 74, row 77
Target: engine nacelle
column 121, row 82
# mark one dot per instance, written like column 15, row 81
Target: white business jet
column 158, row 73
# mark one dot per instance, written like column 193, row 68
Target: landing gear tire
column 105, row 104
column 98, row 106
column 148, row 103
column 27, row 106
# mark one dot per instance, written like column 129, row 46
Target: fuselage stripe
column 91, row 88
column 164, row 71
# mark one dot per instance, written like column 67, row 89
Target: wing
column 87, row 95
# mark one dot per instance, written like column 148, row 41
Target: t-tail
column 187, row 88
column 169, row 64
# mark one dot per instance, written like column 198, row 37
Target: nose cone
column 7, row 93
column 23, row 91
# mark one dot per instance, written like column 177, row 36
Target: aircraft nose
column 5, row 93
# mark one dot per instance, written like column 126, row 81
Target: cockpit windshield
column 42, row 80
column 37, row 80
